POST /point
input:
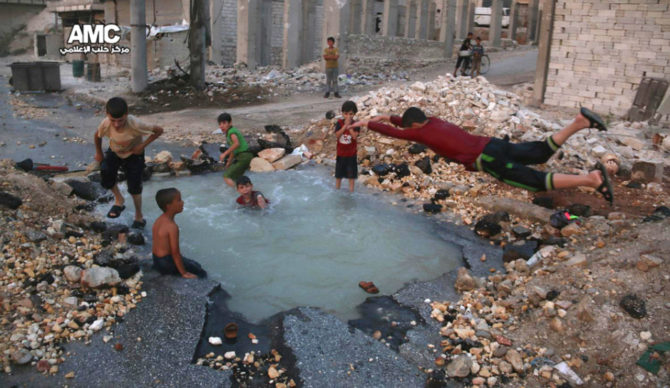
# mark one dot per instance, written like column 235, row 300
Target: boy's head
column 244, row 185
column 479, row 40
column 413, row 118
column 117, row 111
column 330, row 41
column 349, row 109
column 225, row 121
column 169, row 200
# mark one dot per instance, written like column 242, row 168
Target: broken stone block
column 272, row 154
column 100, row 276
column 647, row 171
column 464, row 282
column 287, row 162
column 261, row 165
column 163, row 157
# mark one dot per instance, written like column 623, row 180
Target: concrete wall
column 599, row 50
column 370, row 50
column 12, row 18
column 165, row 12
column 277, row 37
column 228, row 32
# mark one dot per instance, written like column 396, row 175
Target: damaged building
column 290, row 33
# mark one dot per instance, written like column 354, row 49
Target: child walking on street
column 239, row 156
column 505, row 161
column 165, row 245
column 126, row 151
column 346, row 165
column 331, row 55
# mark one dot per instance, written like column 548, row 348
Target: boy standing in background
column 331, row 55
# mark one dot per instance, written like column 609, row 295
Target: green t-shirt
column 243, row 143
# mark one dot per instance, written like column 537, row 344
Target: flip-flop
column 139, row 224
column 594, row 120
column 116, row 211
column 606, row 187
column 368, row 287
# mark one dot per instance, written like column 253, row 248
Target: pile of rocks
column 253, row 367
column 58, row 282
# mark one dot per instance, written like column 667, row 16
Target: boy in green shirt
column 238, row 150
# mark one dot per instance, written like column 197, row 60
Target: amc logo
column 94, row 34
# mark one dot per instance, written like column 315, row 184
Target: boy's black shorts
column 346, row 167
column 508, row 163
column 132, row 165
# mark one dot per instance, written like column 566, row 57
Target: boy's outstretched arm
column 173, row 236
column 386, row 129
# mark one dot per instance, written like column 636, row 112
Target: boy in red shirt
column 346, row 165
column 505, row 161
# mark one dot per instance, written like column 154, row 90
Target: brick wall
column 600, row 49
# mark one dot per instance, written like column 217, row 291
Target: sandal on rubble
column 606, row 187
column 594, row 120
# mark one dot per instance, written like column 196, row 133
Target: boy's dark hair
column 242, row 181
column 165, row 197
column 349, row 106
column 224, row 117
column 469, row 33
column 330, row 39
column 413, row 115
column 116, row 107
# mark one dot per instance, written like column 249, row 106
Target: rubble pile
column 551, row 318
column 64, row 276
column 252, row 367
column 275, row 81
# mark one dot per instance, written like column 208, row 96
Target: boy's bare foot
column 188, row 275
column 581, row 121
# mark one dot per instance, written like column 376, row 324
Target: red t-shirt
column 254, row 199
column 446, row 139
column 346, row 144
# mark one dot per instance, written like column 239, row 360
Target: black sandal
column 606, row 187
column 139, row 224
column 594, row 120
column 116, row 211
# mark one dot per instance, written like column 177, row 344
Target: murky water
column 310, row 248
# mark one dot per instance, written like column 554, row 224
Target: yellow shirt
column 331, row 64
column 122, row 141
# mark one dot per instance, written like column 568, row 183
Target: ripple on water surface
column 311, row 248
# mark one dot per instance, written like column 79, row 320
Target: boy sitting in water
column 248, row 197
column 165, row 246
